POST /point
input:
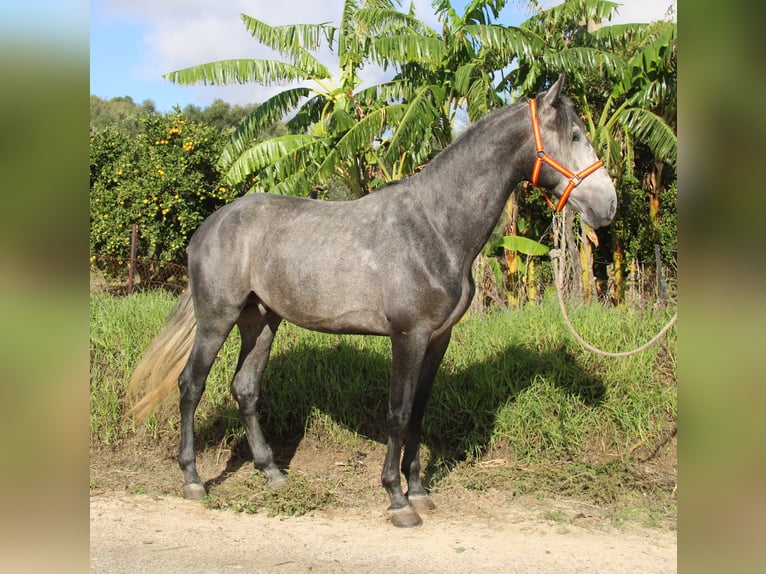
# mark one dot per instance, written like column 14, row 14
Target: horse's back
column 312, row 262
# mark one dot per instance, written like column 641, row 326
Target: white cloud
column 633, row 11
column 183, row 33
column 638, row 11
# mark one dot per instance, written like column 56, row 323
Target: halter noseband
column 574, row 178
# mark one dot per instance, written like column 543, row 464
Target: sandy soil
column 139, row 533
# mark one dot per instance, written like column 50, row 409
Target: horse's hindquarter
column 362, row 266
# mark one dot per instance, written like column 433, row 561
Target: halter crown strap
column 541, row 157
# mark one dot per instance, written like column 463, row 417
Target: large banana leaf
column 651, row 129
column 522, row 245
column 378, row 19
column 225, row 72
column 508, row 41
column 270, row 111
column 574, row 60
column 264, row 154
column 411, row 48
column 292, row 42
column 421, row 113
column 360, row 137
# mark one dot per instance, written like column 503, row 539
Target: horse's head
column 567, row 164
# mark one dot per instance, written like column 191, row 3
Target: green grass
column 514, row 386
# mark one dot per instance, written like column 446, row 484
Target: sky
column 134, row 42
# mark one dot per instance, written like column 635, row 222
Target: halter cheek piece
column 575, row 179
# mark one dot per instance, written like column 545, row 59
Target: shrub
column 164, row 179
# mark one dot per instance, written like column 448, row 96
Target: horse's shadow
column 460, row 418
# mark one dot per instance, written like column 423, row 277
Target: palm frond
column 507, row 41
column 421, row 112
column 465, row 75
column 577, row 60
column 379, row 20
column 270, row 111
column 652, row 130
column 225, row 72
column 264, row 154
column 386, row 93
column 478, row 99
column 618, row 37
column 309, row 114
column 297, row 184
column 291, row 42
column 361, row 137
column 408, row 48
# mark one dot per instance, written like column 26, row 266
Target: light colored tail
column 156, row 375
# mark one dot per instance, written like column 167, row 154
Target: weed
column 513, row 387
column 300, row 495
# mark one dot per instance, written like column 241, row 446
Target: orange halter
column 574, row 178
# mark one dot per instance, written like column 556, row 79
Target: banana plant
column 335, row 128
column 622, row 76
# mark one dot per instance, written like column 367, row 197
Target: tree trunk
column 618, row 274
column 511, row 257
column 653, row 185
column 586, row 264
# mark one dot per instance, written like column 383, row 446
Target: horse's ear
column 551, row 97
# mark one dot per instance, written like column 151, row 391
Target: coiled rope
column 558, row 259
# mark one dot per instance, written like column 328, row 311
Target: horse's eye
column 575, row 136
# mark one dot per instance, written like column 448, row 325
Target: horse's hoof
column 405, row 517
column 193, row 491
column 275, row 477
column 277, row 482
column 421, row 502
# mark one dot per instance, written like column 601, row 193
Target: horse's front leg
column 408, row 350
column 416, row 493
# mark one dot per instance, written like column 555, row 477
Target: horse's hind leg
column 257, row 328
column 207, row 342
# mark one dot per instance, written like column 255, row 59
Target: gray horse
column 395, row 263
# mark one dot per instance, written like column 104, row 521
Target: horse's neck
column 465, row 191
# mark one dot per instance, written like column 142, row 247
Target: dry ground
column 139, row 523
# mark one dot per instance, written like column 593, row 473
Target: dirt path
column 134, row 533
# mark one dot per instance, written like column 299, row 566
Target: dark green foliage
column 164, row 180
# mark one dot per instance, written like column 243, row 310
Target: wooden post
column 662, row 292
column 132, row 268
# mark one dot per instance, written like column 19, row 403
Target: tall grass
column 513, row 383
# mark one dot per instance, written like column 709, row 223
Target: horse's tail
column 156, row 375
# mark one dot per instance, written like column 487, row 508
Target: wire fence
column 642, row 287
column 125, row 275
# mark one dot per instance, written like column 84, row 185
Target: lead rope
column 557, row 258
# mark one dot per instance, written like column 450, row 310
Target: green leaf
column 309, row 114
column 360, row 137
column 507, row 41
column 421, row 113
column 379, row 20
column 291, row 41
column 409, row 48
column 523, row 245
column 653, row 131
column 225, row 72
column 270, row 111
column 265, row 154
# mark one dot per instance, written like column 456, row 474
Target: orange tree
column 164, row 180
